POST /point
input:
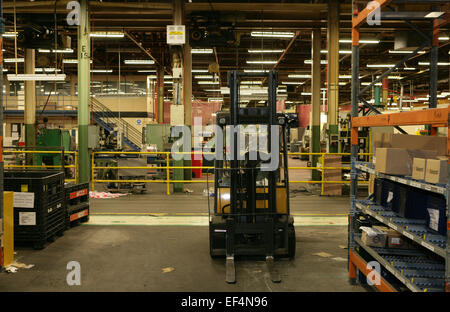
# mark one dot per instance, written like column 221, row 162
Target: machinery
column 251, row 215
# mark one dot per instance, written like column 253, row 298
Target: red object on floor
column 197, row 163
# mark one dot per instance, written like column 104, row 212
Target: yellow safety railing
column 74, row 166
column 168, row 168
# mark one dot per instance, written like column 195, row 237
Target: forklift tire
column 291, row 241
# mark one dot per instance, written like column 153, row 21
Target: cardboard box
column 399, row 161
column 394, row 239
column 419, row 167
column 373, row 237
column 413, row 142
column 436, row 171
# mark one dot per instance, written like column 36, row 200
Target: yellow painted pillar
column 8, row 228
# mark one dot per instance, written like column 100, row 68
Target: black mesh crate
column 436, row 217
column 411, row 203
column 39, row 220
column 76, row 203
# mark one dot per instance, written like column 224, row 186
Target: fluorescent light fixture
column 409, row 68
column 107, row 34
column 215, row 100
column 340, row 83
column 256, row 71
column 261, row 62
column 309, row 62
column 5, row 70
column 46, row 70
column 434, row 14
column 199, row 71
column 404, row 52
column 295, row 83
column 73, row 61
column 203, row 76
column 345, row 76
column 444, row 38
column 272, row 34
column 139, row 62
column 147, row 71
column 306, row 76
column 208, row 82
column 213, row 114
column 251, row 82
column 306, row 93
column 168, row 82
column 439, row 63
column 55, row 51
column 202, row 51
column 380, row 65
column 340, row 51
column 13, row 60
column 265, row 51
column 101, row 71
column 368, row 83
column 36, row 77
column 370, row 41
column 282, row 90
column 9, row 34
column 212, row 90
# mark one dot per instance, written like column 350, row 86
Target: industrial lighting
column 295, row 83
column 434, row 14
column 199, row 71
column 251, row 82
column 380, row 65
column 9, row 34
column 139, row 62
column 202, row 51
column 107, row 34
column 368, row 83
column 5, row 70
column 204, row 77
column 212, row 90
column 73, row 61
column 256, row 71
column 147, row 71
column 55, row 51
column 272, row 34
column 168, row 82
column 215, row 100
column 370, row 41
column 309, row 62
column 36, row 77
column 208, row 82
column 299, row 76
column 409, row 68
column 265, row 51
column 439, row 63
column 261, row 62
column 404, row 52
column 46, row 70
column 306, row 93
column 444, row 38
column 213, row 114
column 340, row 51
column 13, row 60
column 101, row 70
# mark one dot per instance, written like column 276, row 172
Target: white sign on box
column 23, row 200
column 27, row 218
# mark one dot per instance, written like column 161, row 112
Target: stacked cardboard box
column 393, row 238
column 333, row 161
column 372, row 236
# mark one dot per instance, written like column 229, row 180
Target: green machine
column 158, row 134
column 50, row 139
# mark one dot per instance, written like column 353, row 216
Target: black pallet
column 48, row 210
column 76, row 203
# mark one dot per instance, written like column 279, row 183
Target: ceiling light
column 299, row 76
column 272, row 34
column 380, row 65
column 199, row 71
column 147, row 71
column 168, row 82
column 306, row 93
column 256, row 71
column 107, row 34
column 374, row 41
column 46, row 70
column 215, row 100
column 9, row 34
column 439, row 63
column 73, row 61
column 36, row 77
column 5, row 70
column 265, row 51
column 13, row 60
column 368, row 83
column 204, row 76
column 208, row 82
column 293, row 83
column 139, row 62
column 101, row 70
column 202, row 51
column 55, row 51
column 251, row 82
column 212, row 90
column 434, row 14
column 340, row 51
column 309, row 62
column 261, row 62
column 404, row 52
column 409, row 68
column 444, row 38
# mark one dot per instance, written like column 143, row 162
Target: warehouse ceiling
column 144, row 26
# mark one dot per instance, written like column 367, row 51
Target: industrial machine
column 251, row 215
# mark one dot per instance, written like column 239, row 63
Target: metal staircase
column 103, row 116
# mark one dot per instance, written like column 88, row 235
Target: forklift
column 251, row 215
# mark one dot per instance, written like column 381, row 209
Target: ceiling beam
column 362, row 16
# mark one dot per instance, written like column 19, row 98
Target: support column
column 333, row 74
column 434, row 68
column 84, row 53
column 385, row 94
column 315, row 101
column 187, row 97
column 2, row 30
column 160, row 77
column 30, row 102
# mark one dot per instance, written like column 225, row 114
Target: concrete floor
column 116, row 257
